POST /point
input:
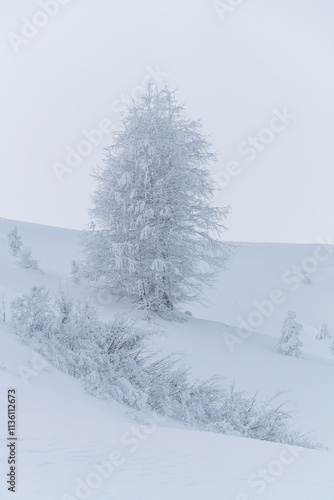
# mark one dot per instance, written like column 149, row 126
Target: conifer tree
column 14, row 242
column 154, row 234
column 289, row 343
column 324, row 333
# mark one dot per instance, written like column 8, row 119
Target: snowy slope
column 260, row 268
column 64, row 435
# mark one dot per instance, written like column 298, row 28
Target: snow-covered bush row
column 113, row 361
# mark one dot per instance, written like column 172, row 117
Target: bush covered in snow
column 26, row 261
column 332, row 348
column 75, row 272
column 289, row 343
column 14, row 242
column 17, row 249
column 113, row 361
column 323, row 333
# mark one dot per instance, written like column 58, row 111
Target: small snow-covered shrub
column 168, row 385
column 32, row 316
column 117, row 363
column 113, row 362
column 17, row 249
column 332, row 348
column 14, row 242
column 323, row 333
column 289, row 343
column 75, row 272
column 26, row 261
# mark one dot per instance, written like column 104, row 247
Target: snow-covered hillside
column 67, row 438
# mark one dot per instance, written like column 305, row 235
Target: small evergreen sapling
column 324, row 333
column 17, row 249
column 289, row 343
column 75, row 272
column 26, row 261
column 14, row 242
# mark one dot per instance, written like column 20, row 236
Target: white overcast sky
column 231, row 72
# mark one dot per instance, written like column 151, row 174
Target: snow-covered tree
column 289, row 343
column 26, row 261
column 14, row 242
column 323, row 333
column 75, row 272
column 154, row 234
column 3, row 306
column 23, row 254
